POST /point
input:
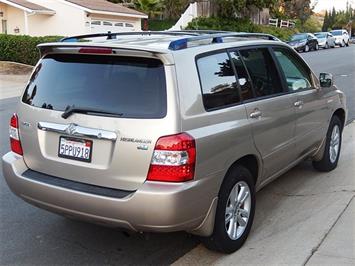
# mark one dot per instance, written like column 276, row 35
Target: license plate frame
column 77, row 141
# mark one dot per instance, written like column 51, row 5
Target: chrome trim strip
column 77, row 131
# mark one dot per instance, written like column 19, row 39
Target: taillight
column 173, row 159
column 14, row 135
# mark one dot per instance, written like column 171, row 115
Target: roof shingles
column 104, row 5
column 29, row 5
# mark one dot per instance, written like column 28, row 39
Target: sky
column 328, row 4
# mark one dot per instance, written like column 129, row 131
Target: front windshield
column 299, row 37
column 320, row 35
column 337, row 32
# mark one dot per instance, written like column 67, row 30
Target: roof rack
column 113, row 35
column 179, row 44
column 217, row 38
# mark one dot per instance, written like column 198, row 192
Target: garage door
column 97, row 26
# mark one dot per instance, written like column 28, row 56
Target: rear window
column 132, row 87
column 337, row 32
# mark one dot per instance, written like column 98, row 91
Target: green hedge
column 238, row 25
column 22, row 48
column 156, row 25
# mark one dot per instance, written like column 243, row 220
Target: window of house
column 96, row 23
column 119, row 24
column 106, row 23
column 129, row 25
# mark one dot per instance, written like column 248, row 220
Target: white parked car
column 325, row 39
column 341, row 37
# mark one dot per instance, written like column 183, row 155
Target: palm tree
column 148, row 6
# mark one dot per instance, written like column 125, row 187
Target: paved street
column 341, row 63
column 303, row 217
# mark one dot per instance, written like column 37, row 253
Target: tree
column 174, row 8
column 147, row 6
column 325, row 22
column 232, row 8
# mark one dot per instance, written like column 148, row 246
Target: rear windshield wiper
column 87, row 110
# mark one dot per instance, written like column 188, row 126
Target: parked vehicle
column 304, row 42
column 341, row 37
column 325, row 39
column 168, row 131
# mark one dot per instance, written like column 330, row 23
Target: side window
column 262, row 71
column 243, row 77
column 218, row 81
column 297, row 75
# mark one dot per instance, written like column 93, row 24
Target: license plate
column 75, row 149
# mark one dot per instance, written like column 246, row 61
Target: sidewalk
column 13, row 78
column 304, row 217
column 12, row 85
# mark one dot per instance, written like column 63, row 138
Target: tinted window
column 296, row 73
column 133, row 87
column 218, row 81
column 262, row 71
column 243, row 77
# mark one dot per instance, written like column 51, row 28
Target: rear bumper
column 338, row 41
column 155, row 207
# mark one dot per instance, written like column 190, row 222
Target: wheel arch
column 251, row 162
column 340, row 113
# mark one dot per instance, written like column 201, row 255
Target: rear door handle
column 256, row 114
column 298, row 104
column 77, row 131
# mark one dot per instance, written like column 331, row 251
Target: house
column 66, row 17
column 206, row 8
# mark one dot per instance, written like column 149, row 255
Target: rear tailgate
column 120, row 106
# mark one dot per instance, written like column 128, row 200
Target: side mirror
column 326, row 80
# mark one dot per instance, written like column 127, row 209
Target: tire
column 306, row 48
column 237, row 180
column 316, row 48
column 330, row 160
column 347, row 44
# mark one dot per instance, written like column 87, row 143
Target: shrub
column 281, row 33
column 217, row 23
column 22, row 48
column 238, row 25
column 157, row 25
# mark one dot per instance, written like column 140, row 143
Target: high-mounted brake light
column 15, row 142
column 173, row 159
column 95, row 50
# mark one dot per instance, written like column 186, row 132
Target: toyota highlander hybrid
column 169, row 131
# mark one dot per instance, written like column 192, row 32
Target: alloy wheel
column 237, row 210
column 334, row 144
